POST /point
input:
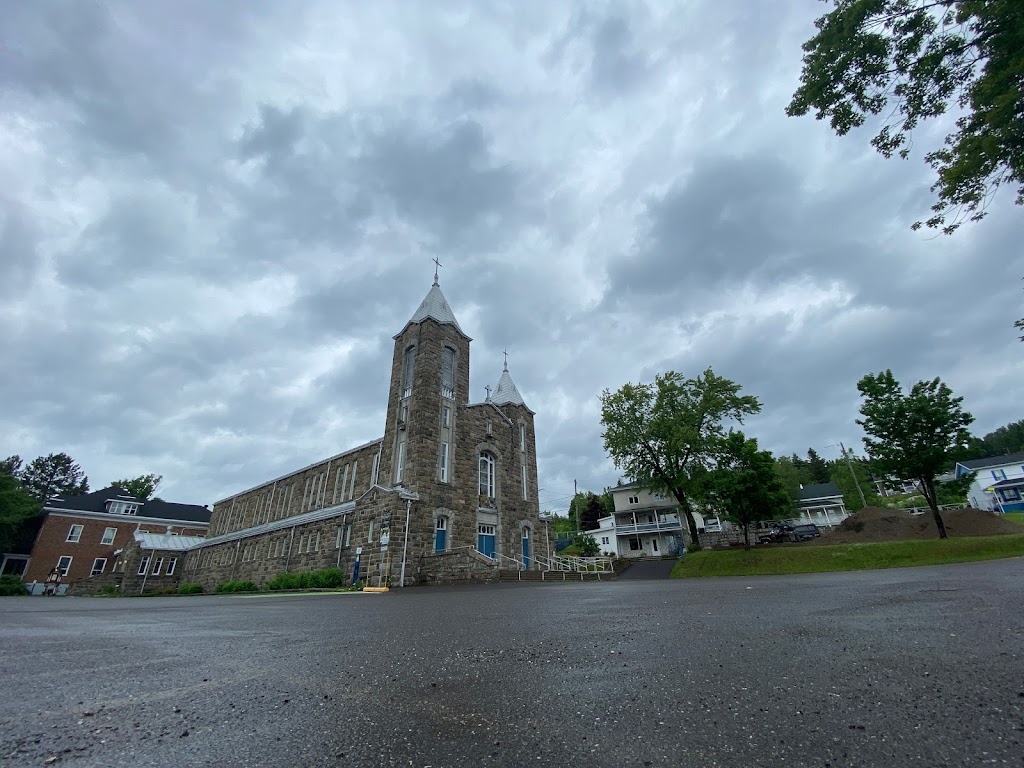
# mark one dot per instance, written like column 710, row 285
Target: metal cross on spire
column 437, row 265
column 488, row 388
column 505, row 353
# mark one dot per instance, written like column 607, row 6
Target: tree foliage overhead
column 142, row 487
column 911, row 60
column 17, row 507
column 745, row 485
column 912, row 435
column 666, row 434
column 55, row 474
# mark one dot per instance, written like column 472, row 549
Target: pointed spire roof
column 435, row 306
column 506, row 392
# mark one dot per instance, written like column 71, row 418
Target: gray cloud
column 218, row 215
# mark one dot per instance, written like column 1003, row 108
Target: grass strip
column 1015, row 517
column 761, row 561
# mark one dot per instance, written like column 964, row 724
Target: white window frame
column 64, row 568
column 487, row 467
column 143, row 566
column 369, row 536
column 348, row 535
column 448, row 373
column 103, row 566
column 112, row 533
column 634, row 499
column 446, row 417
column 172, row 563
column 74, row 534
column 524, row 481
column 522, row 436
column 407, row 372
column 158, row 566
column 123, row 508
column 400, row 461
column 444, row 462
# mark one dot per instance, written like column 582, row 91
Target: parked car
column 785, row 532
column 805, row 532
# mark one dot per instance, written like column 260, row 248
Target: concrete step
column 552, row 576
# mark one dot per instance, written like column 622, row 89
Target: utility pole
column 574, row 504
column 856, row 482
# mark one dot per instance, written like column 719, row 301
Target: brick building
column 80, row 535
column 451, row 487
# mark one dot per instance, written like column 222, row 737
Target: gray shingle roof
column 819, row 491
column 993, row 461
column 435, row 306
column 164, row 510
column 506, row 392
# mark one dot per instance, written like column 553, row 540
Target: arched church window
column 410, row 359
column 448, row 373
column 487, row 475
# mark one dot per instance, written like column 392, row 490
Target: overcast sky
column 214, row 217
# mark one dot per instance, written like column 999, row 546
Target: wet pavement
column 908, row 667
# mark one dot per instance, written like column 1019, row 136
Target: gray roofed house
column 119, row 501
column 821, row 504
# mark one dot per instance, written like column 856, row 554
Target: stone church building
column 449, row 493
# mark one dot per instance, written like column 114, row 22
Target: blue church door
column 526, row 548
column 441, row 534
column 485, row 540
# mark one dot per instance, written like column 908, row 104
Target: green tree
column 11, row 465
column 142, row 487
column 17, row 508
column 745, row 486
column 665, row 435
column 911, row 60
column 586, row 546
column 818, row 466
column 841, row 476
column 792, row 475
column 561, row 524
column 55, row 474
column 592, row 511
column 1007, row 439
column 912, row 435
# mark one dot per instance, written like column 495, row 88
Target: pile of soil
column 880, row 524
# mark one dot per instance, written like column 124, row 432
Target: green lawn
column 1015, row 517
column 847, row 557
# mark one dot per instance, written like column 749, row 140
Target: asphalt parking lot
column 909, row 667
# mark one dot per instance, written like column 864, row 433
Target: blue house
column 999, row 484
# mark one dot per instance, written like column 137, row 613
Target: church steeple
column 506, row 392
column 435, row 305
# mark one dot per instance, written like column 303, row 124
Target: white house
column 645, row 524
column 821, row 504
column 999, row 484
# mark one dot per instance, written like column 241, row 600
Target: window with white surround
column 158, row 566
column 604, row 539
column 400, row 461
column 64, row 564
column 997, row 474
column 446, row 417
column 98, row 566
column 369, row 536
column 487, row 475
column 410, row 360
column 171, row 565
column 143, row 565
column 108, row 536
column 348, row 535
column 524, row 480
column 123, row 508
column 444, row 462
column 448, row 373
column 634, row 499
column 75, row 533
column 522, row 436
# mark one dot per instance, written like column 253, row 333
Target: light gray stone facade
column 464, row 476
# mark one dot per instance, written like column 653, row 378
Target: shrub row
column 190, row 589
column 12, row 585
column 237, row 586
column 326, row 578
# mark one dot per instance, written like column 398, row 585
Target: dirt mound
column 880, row 524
